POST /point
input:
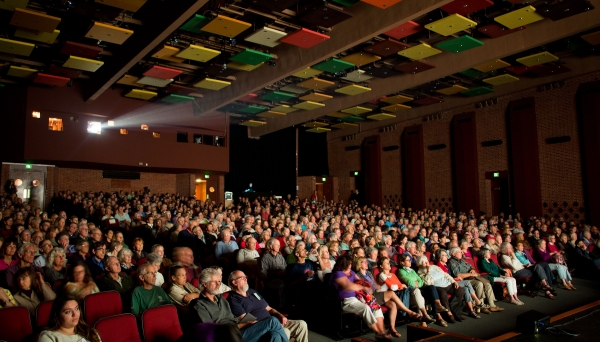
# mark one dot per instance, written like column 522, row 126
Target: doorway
column 200, row 192
column 500, row 192
column 319, row 188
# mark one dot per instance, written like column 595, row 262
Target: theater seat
column 119, row 328
column 160, row 324
column 42, row 314
column 16, row 324
column 100, row 305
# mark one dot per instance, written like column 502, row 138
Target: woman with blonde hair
column 325, row 263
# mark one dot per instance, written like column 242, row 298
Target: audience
column 30, row 289
column 80, row 282
column 181, row 292
column 147, row 295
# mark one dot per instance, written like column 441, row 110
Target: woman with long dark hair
column 66, row 323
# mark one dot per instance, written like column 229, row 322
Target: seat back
column 142, row 261
column 42, row 314
column 473, row 262
column 16, row 324
column 376, row 272
column 161, row 324
column 428, row 255
column 119, row 328
column 100, row 305
column 494, row 258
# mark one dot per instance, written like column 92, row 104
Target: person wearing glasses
column 26, row 255
column 96, row 262
column 147, row 295
column 46, row 247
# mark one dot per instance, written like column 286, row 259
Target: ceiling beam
column 160, row 18
column 368, row 22
column 538, row 34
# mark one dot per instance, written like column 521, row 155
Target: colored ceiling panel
column 308, row 105
column 15, row 47
column 212, row 84
column 179, row 89
column 344, row 125
column 451, row 24
column 176, row 99
column 277, row 96
column 404, row 30
column 304, row 38
column 384, row 4
column 537, row 59
column 325, row 15
column 81, row 50
column 292, row 88
column 520, row 17
column 426, row 101
column 284, row 109
column 108, row 33
column 316, row 97
column 455, row 89
column 38, row 36
column 253, row 123
column 225, row 26
column 357, row 76
column 84, row 64
column 414, row 67
column 276, row 5
column 271, row 114
column 466, row 7
column 346, row 3
column 51, row 80
column 315, row 124
column 128, row 80
column 383, row 71
column 459, row 44
column 520, row 69
column 64, row 72
column 477, row 91
column 381, row 116
column 353, row 89
column 493, row 65
column 10, row 5
column 550, row 70
column 497, row 30
column 168, row 53
column 34, row 20
column 243, row 67
column 252, row 110
column 315, row 84
column 333, row 65
column 318, row 130
column 500, row 79
column 361, row 58
column 419, row 52
column 386, row 47
column 565, row 9
column 266, row 36
column 23, row 72
column 128, row 5
column 397, row 99
column 198, row 53
column 471, row 73
column 357, row 110
column 307, row 73
column 433, row 86
column 251, row 57
column 162, row 72
column 592, row 38
column 396, row 108
column 220, row 70
column 338, row 114
column 231, row 107
column 154, row 82
column 195, row 23
column 351, row 118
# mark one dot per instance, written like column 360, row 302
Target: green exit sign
column 356, row 173
column 496, row 174
column 28, row 166
column 324, row 179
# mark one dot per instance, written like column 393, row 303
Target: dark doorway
column 327, row 190
column 500, row 196
column 319, row 188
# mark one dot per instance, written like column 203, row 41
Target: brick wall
column 91, row 180
column 306, row 186
column 438, row 165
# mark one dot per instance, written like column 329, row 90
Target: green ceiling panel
column 252, row 110
column 351, row 118
column 346, row 3
column 459, row 44
column 477, row 91
column 173, row 98
column 471, row 73
column 277, row 96
column 193, row 25
column 333, row 66
column 251, row 57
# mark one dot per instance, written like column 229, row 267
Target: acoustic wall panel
column 371, row 168
column 413, row 167
column 466, row 166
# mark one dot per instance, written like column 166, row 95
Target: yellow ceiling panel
column 128, row 5
column 253, row 123
column 493, row 65
column 501, row 79
column 316, row 97
column 315, row 124
column 537, row 59
column 212, row 84
column 518, row 18
column 168, row 53
column 198, row 53
column 38, row 36
column 271, row 114
column 34, row 20
column 308, row 105
column 338, row 115
column 455, row 89
column 419, row 51
column 353, row 89
column 128, row 80
column 361, row 58
column 308, row 73
column 396, row 108
column 397, row 99
column 109, row 33
column 141, row 94
column 266, row 36
column 10, row 5
column 344, row 125
column 451, row 24
column 357, row 76
column 315, row 84
column 84, row 64
column 319, row 130
column 381, row 116
column 16, row 71
column 225, row 26
column 243, row 67
column 284, row 109
column 15, row 47
column 154, row 82
column 357, row 110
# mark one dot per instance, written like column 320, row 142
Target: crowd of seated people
column 167, row 249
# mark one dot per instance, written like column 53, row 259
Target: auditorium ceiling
column 270, row 64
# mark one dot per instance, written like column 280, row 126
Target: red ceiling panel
column 179, row 89
column 466, row 7
column 51, row 80
column 414, row 67
column 550, row 70
column 162, row 72
column 81, row 50
column 520, row 69
column 428, row 100
column 404, row 30
column 386, row 47
column 304, row 38
column 497, row 30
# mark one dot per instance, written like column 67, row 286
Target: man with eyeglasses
column 26, row 255
column 147, row 295
column 46, row 247
column 96, row 262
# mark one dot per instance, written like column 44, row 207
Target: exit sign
column 496, row 174
column 28, row 166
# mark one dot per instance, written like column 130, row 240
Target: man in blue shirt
column 96, row 262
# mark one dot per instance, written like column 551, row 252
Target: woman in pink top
column 8, row 255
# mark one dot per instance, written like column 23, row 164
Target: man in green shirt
column 148, row 295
